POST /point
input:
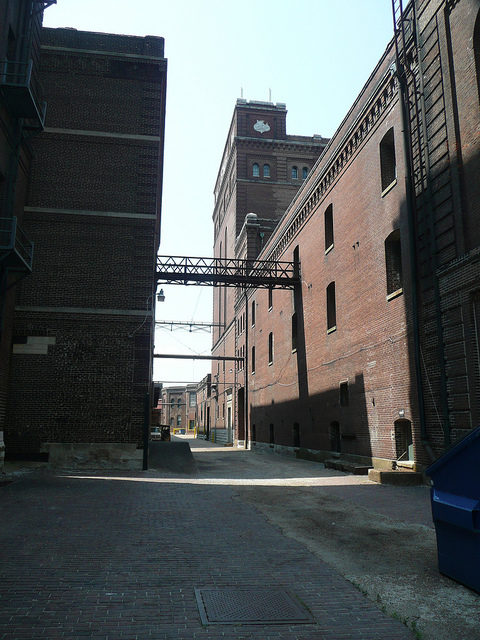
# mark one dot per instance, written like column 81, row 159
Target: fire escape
column 21, row 96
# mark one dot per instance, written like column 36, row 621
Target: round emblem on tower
column 261, row 126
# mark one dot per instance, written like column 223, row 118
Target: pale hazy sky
column 314, row 55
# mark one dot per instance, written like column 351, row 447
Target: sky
column 313, row 55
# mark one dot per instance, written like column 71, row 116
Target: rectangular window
column 192, row 400
column 270, row 298
column 253, row 313
column 253, row 359
column 179, row 420
column 191, row 424
column 331, row 308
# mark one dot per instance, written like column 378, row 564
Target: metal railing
column 14, row 240
column 20, row 86
column 229, row 272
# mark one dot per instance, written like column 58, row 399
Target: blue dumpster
column 456, row 510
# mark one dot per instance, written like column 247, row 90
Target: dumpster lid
column 453, row 451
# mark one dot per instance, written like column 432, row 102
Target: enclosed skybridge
column 227, row 272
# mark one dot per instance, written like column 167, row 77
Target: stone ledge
column 347, row 466
column 399, row 478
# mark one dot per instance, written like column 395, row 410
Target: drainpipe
column 410, row 204
column 245, row 366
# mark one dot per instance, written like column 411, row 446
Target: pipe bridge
column 227, row 272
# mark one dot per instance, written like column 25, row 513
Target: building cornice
column 336, row 156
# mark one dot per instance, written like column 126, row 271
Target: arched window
column 393, row 263
column 403, row 440
column 328, row 228
column 304, row 172
column 294, row 173
column 266, row 170
column 256, row 170
column 335, row 437
column 388, row 167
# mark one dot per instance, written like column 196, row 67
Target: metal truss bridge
column 227, row 272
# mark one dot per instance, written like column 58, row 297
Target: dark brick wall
column 93, row 211
column 447, row 212
column 15, row 158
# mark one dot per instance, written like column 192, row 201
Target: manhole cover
column 250, row 606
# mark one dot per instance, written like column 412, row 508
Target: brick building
column 81, row 362
column 374, row 356
column 261, row 170
column 174, row 407
column 22, row 116
column 191, row 401
column 204, row 406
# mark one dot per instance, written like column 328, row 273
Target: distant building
column 81, row 364
column 262, row 169
column 191, row 400
column 203, row 406
column 174, row 407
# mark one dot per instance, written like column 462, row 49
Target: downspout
column 245, row 365
column 410, row 204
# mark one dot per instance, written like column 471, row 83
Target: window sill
column 332, row 329
column 270, row 309
column 389, row 188
column 294, row 350
column 329, row 249
column 394, row 294
column 270, row 363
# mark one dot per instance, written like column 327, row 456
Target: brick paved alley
column 105, row 555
